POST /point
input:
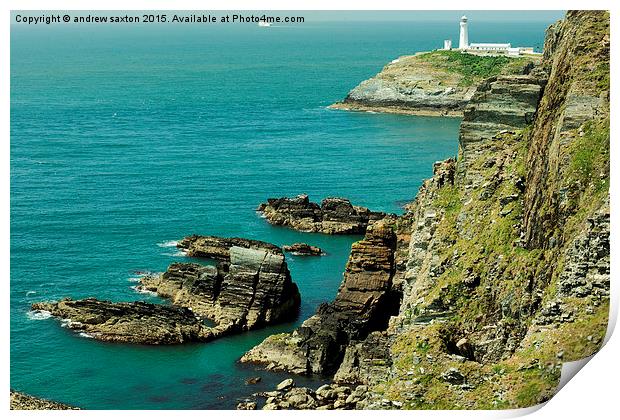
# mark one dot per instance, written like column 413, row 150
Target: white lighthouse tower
column 463, row 40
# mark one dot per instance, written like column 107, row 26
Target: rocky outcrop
column 218, row 248
column 435, row 83
column 250, row 289
column 503, row 258
column 21, row 401
column 326, row 397
column 363, row 304
column 332, row 216
column 303, row 249
column 128, row 322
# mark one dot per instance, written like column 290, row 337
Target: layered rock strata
column 128, row 322
column 435, row 83
column 503, row 258
column 364, row 303
column 250, row 289
column 332, row 216
column 218, row 248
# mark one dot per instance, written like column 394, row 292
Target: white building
column 463, row 39
column 485, row 48
column 488, row 47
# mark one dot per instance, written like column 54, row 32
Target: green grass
column 474, row 68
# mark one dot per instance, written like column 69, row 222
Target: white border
column 592, row 395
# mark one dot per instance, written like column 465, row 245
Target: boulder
column 333, row 216
column 303, row 249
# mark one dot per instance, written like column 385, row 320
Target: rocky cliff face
column 363, row 304
column 503, row 258
column 435, row 83
column 251, row 287
column 333, row 216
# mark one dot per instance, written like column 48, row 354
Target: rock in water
column 20, row 401
column 303, row 249
column 250, row 287
column 333, row 216
column 129, row 322
column 218, row 248
column 364, row 303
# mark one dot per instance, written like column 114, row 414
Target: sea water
column 127, row 138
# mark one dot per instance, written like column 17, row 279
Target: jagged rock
column 303, row 249
column 253, row 380
column 587, row 267
column 218, row 248
column 251, row 288
column 247, row 405
column 363, row 304
column 333, row 216
column 326, row 397
column 285, row 384
column 129, row 322
column 21, row 401
column 453, row 376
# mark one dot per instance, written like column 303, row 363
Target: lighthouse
column 463, row 40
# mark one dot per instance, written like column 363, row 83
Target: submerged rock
column 332, row 216
column 20, row 401
column 250, row 288
column 129, row 322
column 364, row 303
column 303, row 249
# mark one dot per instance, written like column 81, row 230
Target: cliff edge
column 503, row 259
column 430, row 83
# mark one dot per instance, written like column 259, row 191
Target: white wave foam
column 143, row 291
column 31, row 292
column 83, row 334
column 168, row 244
column 175, row 254
column 38, row 315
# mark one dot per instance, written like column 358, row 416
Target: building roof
column 489, row 45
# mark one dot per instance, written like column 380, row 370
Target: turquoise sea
column 126, row 138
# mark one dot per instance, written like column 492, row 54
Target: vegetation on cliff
column 503, row 259
column 471, row 68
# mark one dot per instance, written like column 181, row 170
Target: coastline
column 382, row 109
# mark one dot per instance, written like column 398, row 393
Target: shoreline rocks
column 303, row 249
column 251, row 289
column 218, row 248
column 364, row 303
column 333, row 216
column 21, row 401
column 128, row 322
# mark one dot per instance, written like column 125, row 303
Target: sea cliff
column 430, row 83
column 498, row 272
